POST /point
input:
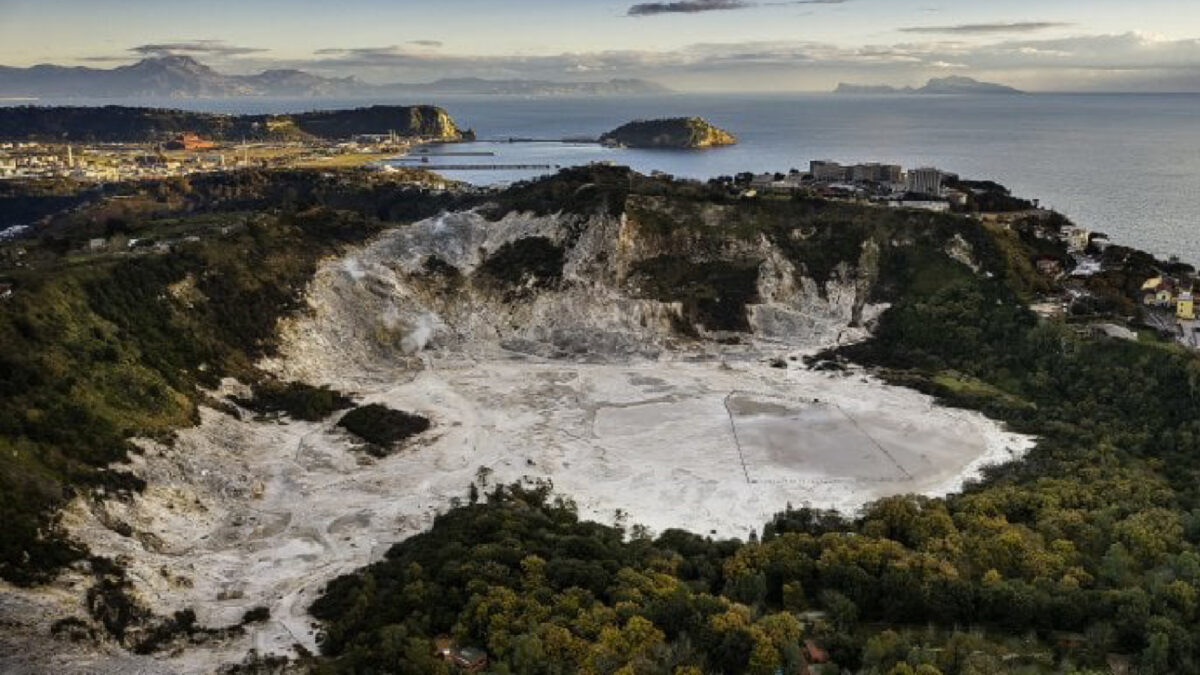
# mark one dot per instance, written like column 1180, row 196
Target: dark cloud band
column 986, row 28
column 697, row 6
column 209, row 47
column 686, row 7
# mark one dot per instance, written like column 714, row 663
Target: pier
column 489, row 167
column 425, row 153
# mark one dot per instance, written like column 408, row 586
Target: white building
column 827, row 171
column 925, row 181
column 1077, row 239
column 876, row 173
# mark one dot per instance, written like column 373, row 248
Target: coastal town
column 927, row 188
column 186, row 154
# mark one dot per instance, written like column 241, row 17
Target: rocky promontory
column 128, row 124
column 678, row 133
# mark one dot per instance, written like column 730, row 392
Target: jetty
column 489, row 167
column 425, row 153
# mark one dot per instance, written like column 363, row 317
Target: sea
column 1127, row 165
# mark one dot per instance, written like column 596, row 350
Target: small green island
column 687, row 133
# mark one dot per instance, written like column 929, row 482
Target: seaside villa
column 1185, row 306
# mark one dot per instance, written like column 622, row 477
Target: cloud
column 697, row 6
column 987, row 28
column 686, row 7
column 1130, row 61
column 372, row 57
column 433, row 44
column 195, row 47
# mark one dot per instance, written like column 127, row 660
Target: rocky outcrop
column 679, row 133
column 596, row 287
column 423, row 121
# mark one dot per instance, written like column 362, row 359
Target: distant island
column 939, row 85
column 678, row 132
column 185, row 77
column 116, row 124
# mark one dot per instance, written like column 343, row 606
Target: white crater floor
column 243, row 513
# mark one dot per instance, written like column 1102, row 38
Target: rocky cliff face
column 598, row 286
column 424, row 121
column 681, row 132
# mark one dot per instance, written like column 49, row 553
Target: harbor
column 504, row 160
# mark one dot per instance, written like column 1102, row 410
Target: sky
column 689, row 45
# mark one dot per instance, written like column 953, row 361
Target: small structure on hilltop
column 816, row 659
column 1112, row 331
column 1077, row 238
column 468, row 659
column 1049, row 266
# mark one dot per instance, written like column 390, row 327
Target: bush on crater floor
column 383, row 427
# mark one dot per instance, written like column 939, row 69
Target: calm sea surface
column 1127, row 165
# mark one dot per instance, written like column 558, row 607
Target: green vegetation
column 988, row 196
column 26, row 203
column 679, row 132
column 382, row 427
column 525, row 264
column 577, row 191
column 296, row 399
column 714, row 294
column 125, row 124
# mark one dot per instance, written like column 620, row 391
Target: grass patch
column 971, row 392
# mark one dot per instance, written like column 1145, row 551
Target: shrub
column 383, row 427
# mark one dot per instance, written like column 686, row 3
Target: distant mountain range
column 185, row 77
column 942, row 85
column 474, row 85
column 166, row 77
